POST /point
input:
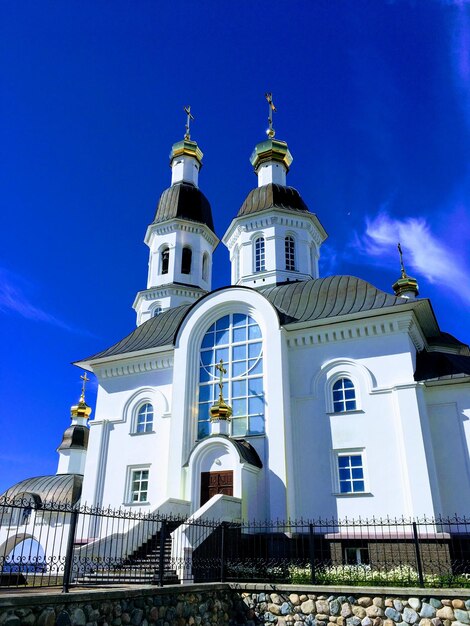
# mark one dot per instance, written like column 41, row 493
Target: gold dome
column 405, row 284
column 220, row 411
column 186, row 147
column 81, row 409
column 271, row 150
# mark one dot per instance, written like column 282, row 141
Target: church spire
column 74, row 444
column 186, row 156
column 405, row 286
column 271, row 159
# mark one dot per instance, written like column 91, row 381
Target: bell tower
column 274, row 238
column 181, row 237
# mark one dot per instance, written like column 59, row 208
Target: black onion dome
column 75, row 437
column 270, row 196
column 184, row 201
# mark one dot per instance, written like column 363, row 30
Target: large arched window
column 236, row 339
column 186, row 258
column 344, row 396
column 144, row 421
column 289, row 246
column 260, row 258
column 164, row 260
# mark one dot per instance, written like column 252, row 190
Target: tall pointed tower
column 181, row 237
column 274, row 237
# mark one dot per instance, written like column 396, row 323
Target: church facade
column 343, row 400
column 283, row 395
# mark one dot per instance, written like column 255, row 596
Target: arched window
column 344, row 396
column 289, row 247
column 164, row 260
column 236, row 339
column 186, row 257
column 156, row 311
column 260, row 262
column 236, row 264
column 144, row 422
column 205, row 266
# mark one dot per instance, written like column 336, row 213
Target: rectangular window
column 351, row 473
column 259, row 255
column 354, row 555
column 139, row 482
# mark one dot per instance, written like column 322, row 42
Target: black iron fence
column 54, row 544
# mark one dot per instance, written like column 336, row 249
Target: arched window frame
column 164, row 260
column 205, row 266
column 236, row 264
column 259, row 254
column 239, row 350
column 330, row 384
column 344, row 395
column 145, row 395
column 290, row 253
column 156, row 309
column 186, row 260
column 144, row 426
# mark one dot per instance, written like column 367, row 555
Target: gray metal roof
column 155, row 332
column 327, row 297
column 302, row 301
column 272, row 195
column 433, row 365
column 184, row 201
column 59, row 488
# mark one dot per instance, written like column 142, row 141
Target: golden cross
column 269, row 97
column 190, row 117
column 222, row 370
column 403, row 272
column 85, row 380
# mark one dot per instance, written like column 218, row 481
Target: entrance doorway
column 213, row 483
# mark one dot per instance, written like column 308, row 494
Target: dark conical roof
column 184, row 201
column 76, row 437
column 272, row 195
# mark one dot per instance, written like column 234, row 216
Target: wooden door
column 213, row 483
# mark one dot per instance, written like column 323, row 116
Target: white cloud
column 14, row 300
column 427, row 256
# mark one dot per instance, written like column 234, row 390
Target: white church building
column 286, row 394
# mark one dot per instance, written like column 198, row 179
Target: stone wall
column 218, row 604
column 358, row 607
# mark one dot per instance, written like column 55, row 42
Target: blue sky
column 373, row 98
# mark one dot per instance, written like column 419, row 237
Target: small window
column 354, row 555
column 344, row 396
column 351, row 473
column 157, row 310
column 165, row 260
column 145, row 419
column 186, row 257
column 236, row 261
column 289, row 246
column 139, row 485
column 205, row 266
column 260, row 259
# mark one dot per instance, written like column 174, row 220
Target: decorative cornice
column 177, row 224
column 327, row 332
column 275, row 216
column 129, row 367
column 154, row 293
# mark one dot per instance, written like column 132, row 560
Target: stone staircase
column 143, row 566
